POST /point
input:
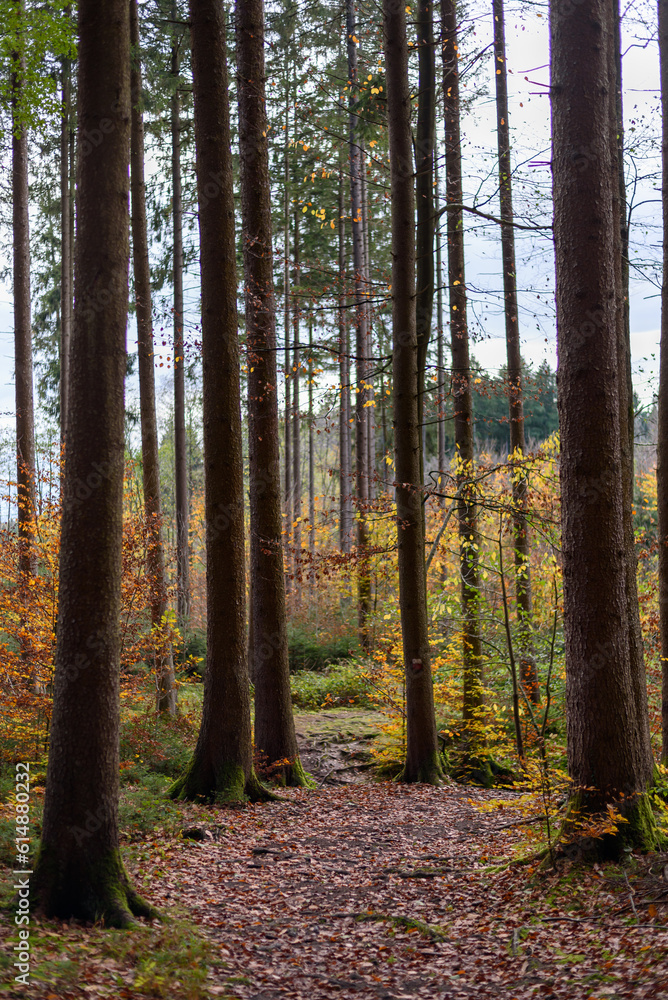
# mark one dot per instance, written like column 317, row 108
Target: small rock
column 196, row 833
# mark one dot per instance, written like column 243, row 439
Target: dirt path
column 315, row 896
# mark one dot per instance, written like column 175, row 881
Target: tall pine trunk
column 345, row 457
column 155, row 561
column 626, row 415
column 275, row 739
column 521, row 540
column 296, row 420
column 286, row 332
column 182, row 506
column 26, row 495
column 461, row 370
column 440, row 392
column 361, row 339
column 65, row 242
column 422, row 757
column 424, row 194
column 662, row 445
column 79, row 873
column 311, row 459
column 222, row 766
column 606, row 752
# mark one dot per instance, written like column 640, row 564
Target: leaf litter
column 383, row 892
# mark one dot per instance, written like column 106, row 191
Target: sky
column 527, row 51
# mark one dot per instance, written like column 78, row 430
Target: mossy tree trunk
column 662, row 446
column 275, row 738
column 422, row 757
column 606, row 744
column 79, row 872
column 222, row 765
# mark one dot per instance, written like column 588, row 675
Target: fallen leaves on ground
column 388, row 892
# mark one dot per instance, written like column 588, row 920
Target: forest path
column 380, row 891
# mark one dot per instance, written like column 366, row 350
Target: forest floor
column 362, row 889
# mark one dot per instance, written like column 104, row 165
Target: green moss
column 586, row 833
column 428, row 772
column 228, row 784
column 99, row 891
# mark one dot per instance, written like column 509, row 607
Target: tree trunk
column 26, row 498
column 368, row 347
column 424, row 193
column 440, row 392
column 286, row 331
column 275, row 739
column 361, row 322
column 461, row 371
column 605, row 740
column 296, row 422
column 155, row 561
column 528, row 675
column 65, row 243
column 422, row 757
column 311, row 459
column 180, row 440
column 79, row 873
column 345, row 458
column 626, row 416
column 662, row 445
column 222, row 766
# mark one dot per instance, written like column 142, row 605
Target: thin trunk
column 345, row 458
column 222, row 765
column 368, row 352
column 286, row 332
column 311, row 454
column 79, row 873
column 422, row 757
column 275, row 740
column 461, row 372
column 180, row 439
column 155, row 561
column 65, row 243
column 25, row 418
column 296, row 419
column 361, row 321
column 528, row 675
column 424, row 195
column 662, row 445
column 440, row 394
column 626, row 416
column 605, row 740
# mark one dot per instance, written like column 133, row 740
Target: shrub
column 340, row 685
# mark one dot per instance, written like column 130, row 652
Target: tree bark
column 65, row 242
column 275, row 740
column 286, row 331
column 155, row 561
column 424, row 193
column 79, row 873
column 345, row 457
column 461, row 371
column 605, row 740
column 222, row 766
column 440, row 358
column 422, row 757
column 296, row 422
column 361, row 322
column 662, row 444
column 26, row 496
column 311, row 460
column 182, row 504
column 521, row 540
column 626, row 415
